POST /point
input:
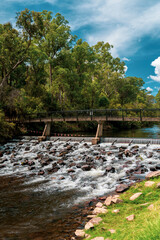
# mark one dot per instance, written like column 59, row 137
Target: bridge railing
column 154, row 113
column 94, row 114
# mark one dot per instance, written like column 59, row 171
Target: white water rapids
column 96, row 181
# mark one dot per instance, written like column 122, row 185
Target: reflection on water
column 147, row 132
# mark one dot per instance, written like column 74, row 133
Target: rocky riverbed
column 55, row 176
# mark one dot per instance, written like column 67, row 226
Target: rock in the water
column 153, row 168
column 1, row 153
column 31, row 168
column 62, row 154
column 71, row 171
column 110, row 169
column 86, row 167
column 121, row 188
column 150, row 154
column 41, row 172
column 61, row 162
column 2, row 166
column 158, row 166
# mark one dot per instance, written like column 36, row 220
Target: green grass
column 145, row 226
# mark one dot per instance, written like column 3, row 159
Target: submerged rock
column 86, row 167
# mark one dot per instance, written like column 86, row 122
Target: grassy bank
column 146, row 222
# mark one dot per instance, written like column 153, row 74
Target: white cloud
column 125, row 68
column 125, row 59
column 149, row 89
column 122, row 23
column 156, row 64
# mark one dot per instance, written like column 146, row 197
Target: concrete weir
column 109, row 140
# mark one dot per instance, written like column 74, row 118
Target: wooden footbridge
column 98, row 115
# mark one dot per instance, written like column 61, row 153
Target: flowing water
column 44, row 186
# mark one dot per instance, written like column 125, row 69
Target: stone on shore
column 112, row 199
column 79, row 233
column 151, row 207
column 89, row 225
column 98, row 210
column 116, row 211
column 135, row 196
column 149, row 184
column 130, row 218
column 92, row 222
column 121, row 188
column 96, row 220
column 108, row 201
column 91, row 216
column 115, row 199
column 98, row 238
column 99, row 204
column 153, row 174
column 87, row 235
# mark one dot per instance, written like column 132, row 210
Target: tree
column 57, row 36
column 14, row 45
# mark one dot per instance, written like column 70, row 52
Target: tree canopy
column 43, row 67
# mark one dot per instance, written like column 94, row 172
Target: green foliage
column 28, row 104
column 103, row 102
column 7, row 129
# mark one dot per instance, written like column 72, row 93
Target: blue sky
column 131, row 26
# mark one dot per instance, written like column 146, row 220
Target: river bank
column 132, row 215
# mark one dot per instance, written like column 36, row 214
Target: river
column 46, row 188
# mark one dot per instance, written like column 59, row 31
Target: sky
column 131, row 26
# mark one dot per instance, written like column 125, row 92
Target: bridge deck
column 102, row 118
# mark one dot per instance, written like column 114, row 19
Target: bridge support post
column 46, row 132
column 99, row 133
